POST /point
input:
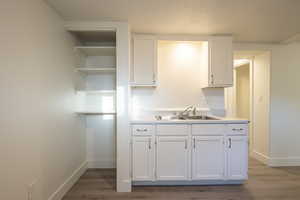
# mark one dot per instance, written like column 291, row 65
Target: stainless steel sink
column 195, row 117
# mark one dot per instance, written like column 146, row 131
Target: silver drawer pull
column 141, row 130
column 237, row 129
column 149, row 143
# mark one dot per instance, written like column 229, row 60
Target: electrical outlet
column 30, row 190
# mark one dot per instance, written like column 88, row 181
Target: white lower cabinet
column 208, row 158
column 142, row 158
column 172, row 158
column 219, row 155
column 237, row 157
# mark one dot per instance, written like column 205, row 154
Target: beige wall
column 243, row 91
column 261, row 88
column 41, row 139
column 285, row 105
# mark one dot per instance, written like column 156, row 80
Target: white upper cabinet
column 142, row 158
column 237, row 157
column 208, row 158
column 144, row 60
column 172, row 158
column 220, row 65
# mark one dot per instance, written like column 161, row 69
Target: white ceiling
column 248, row 20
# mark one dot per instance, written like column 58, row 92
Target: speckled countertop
column 219, row 120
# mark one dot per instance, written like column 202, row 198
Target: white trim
column 125, row 185
column 276, row 161
column 260, row 157
column 88, row 26
column 251, row 123
column 241, row 62
column 143, row 85
column 284, row 161
column 101, row 164
column 68, row 184
column 184, row 183
column 188, row 37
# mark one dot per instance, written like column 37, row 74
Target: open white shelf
column 97, row 91
column 95, row 113
column 96, row 70
column 142, row 85
column 97, row 50
column 95, row 102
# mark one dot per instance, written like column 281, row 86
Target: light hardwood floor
column 264, row 183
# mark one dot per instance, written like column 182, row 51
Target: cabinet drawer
column 208, row 129
column 171, row 129
column 142, row 129
column 237, row 129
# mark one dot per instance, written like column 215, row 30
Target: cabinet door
column 144, row 60
column 208, row 158
column 172, row 159
column 221, row 62
column 142, row 158
column 237, row 157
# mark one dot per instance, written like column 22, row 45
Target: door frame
column 231, row 99
column 123, row 136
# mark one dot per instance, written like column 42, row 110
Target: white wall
column 101, row 129
column 101, row 141
column 179, row 77
column 285, row 105
column 41, row 139
column 261, row 98
column 103, row 81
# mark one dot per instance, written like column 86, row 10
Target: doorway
column 249, row 98
column 242, row 74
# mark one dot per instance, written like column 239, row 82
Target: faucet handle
column 194, row 110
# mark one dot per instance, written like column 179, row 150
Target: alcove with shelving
column 96, row 93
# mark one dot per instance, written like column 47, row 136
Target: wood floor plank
column 264, row 183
